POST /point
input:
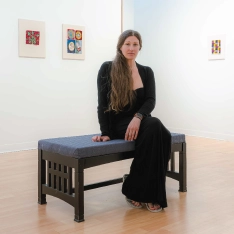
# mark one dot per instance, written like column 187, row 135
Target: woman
column 126, row 97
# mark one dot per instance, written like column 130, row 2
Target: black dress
column 146, row 180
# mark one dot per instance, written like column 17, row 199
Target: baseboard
column 212, row 135
column 18, row 147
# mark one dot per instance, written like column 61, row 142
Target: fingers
column 126, row 135
column 105, row 138
column 96, row 138
column 131, row 135
column 100, row 138
column 136, row 134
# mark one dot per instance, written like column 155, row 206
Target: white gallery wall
column 128, row 14
column 195, row 96
column 52, row 97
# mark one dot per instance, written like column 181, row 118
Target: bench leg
column 183, row 170
column 172, row 162
column 79, row 191
column 41, row 178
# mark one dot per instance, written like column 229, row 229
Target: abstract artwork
column 216, row 47
column 73, row 42
column 31, row 38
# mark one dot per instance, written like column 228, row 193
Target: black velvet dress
column 147, row 177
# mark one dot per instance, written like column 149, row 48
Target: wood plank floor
column 206, row 208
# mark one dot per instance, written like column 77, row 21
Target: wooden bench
column 59, row 158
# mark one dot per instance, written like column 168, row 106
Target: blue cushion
column 83, row 146
column 177, row 138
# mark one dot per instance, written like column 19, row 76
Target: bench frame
column 55, row 175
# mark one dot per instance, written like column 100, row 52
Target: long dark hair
column 121, row 77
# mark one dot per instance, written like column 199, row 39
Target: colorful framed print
column 31, row 38
column 73, row 42
column 216, row 47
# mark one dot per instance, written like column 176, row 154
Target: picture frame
column 31, row 38
column 216, row 46
column 73, row 42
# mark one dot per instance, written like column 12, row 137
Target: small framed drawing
column 216, row 47
column 73, row 42
column 31, row 36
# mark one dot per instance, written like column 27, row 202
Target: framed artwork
column 73, row 42
column 216, row 47
column 31, row 36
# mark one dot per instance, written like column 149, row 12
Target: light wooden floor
column 206, row 208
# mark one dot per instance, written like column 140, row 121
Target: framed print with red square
column 31, row 36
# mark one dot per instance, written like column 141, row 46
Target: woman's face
column 130, row 48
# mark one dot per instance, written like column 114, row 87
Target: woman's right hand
column 100, row 138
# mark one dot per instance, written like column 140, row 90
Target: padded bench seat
column 58, row 157
column 83, row 146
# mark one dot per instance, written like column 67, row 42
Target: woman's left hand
column 133, row 129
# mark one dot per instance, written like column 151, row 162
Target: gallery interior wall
column 194, row 95
column 128, row 14
column 52, row 97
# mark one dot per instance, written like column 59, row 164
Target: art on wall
column 216, row 47
column 31, row 38
column 73, row 42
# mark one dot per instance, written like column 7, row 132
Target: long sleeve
column 148, row 80
column 103, row 85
